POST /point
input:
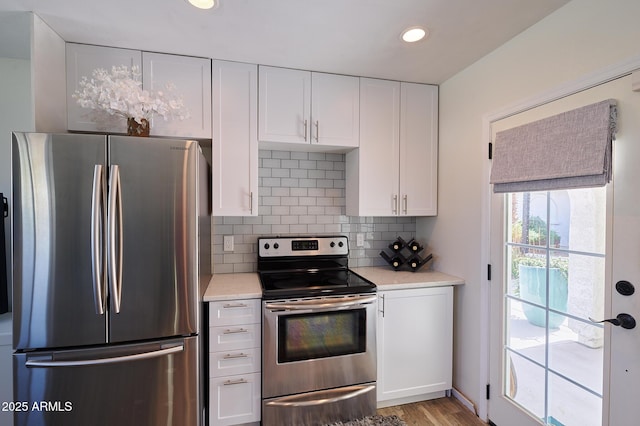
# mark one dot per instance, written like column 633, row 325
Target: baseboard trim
column 410, row 399
column 464, row 400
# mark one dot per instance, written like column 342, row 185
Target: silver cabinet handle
column 114, row 243
column 251, row 202
column 97, row 248
column 305, row 130
column 405, row 203
column 324, row 397
column 394, row 210
column 235, row 356
column 112, row 360
column 234, row 305
column 317, row 131
column 235, row 382
column 240, row 330
column 382, row 305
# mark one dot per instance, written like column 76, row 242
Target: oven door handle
column 319, row 398
column 304, row 305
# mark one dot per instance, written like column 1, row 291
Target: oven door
column 318, row 343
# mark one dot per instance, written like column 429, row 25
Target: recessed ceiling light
column 204, row 4
column 414, row 34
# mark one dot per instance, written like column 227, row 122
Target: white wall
column 16, row 111
column 581, row 38
column 48, row 77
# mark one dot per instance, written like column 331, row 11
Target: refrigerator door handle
column 97, row 250
column 114, row 229
column 125, row 358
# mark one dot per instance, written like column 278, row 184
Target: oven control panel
column 302, row 246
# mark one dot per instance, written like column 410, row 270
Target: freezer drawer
column 143, row 384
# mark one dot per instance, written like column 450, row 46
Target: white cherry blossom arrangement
column 120, row 93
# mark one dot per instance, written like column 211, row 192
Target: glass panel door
column 555, row 274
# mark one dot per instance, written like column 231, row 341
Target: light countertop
column 247, row 285
column 233, row 286
column 386, row 278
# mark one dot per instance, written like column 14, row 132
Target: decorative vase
column 533, row 288
column 137, row 129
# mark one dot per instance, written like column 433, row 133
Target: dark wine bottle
column 414, row 246
column 396, row 261
column 398, row 244
column 416, row 261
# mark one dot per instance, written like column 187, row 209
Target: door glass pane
column 575, row 358
column 524, row 337
column 555, row 249
column 570, row 405
column 526, row 383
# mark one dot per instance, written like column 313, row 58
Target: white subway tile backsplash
column 303, row 193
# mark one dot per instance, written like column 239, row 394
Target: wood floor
column 436, row 412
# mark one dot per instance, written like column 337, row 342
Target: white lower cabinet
column 415, row 344
column 234, row 362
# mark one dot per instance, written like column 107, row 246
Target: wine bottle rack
column 405, row 255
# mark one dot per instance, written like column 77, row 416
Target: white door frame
column 588, row 81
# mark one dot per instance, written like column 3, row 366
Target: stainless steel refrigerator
column 110, row 257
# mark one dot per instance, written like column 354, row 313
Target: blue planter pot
column 533, row 289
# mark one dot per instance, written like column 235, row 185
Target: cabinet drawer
column 231, row 312
column 232, row 338
column 227, row 363
column 234, row 399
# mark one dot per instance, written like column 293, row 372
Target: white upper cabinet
column 394, row 172
column 82, row 59
column 192, row 80
column 235, row 142
column 302, row 107
column 190, row 76
column 284, row 105
column 418, row 149
column 335, row 110
column 372, row 177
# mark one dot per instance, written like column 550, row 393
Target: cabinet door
column 234, row 400
column 372, row 170
column 418, row 149
column 415, row 340
column 235, row 142
column 335, row 110
column 82, row 59
column 192, row 80
column 284, row 105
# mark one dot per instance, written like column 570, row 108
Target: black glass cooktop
column 313, row 282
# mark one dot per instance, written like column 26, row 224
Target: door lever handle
column 622, row 320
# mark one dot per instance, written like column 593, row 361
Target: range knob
column 340, row 244
column 276, row 245
column 266, row 246
column 332, row 244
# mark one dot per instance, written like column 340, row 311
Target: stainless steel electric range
column 318, row 333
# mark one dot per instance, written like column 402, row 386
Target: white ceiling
column 356, row 37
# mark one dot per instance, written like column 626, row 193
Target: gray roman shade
column 568, row 150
